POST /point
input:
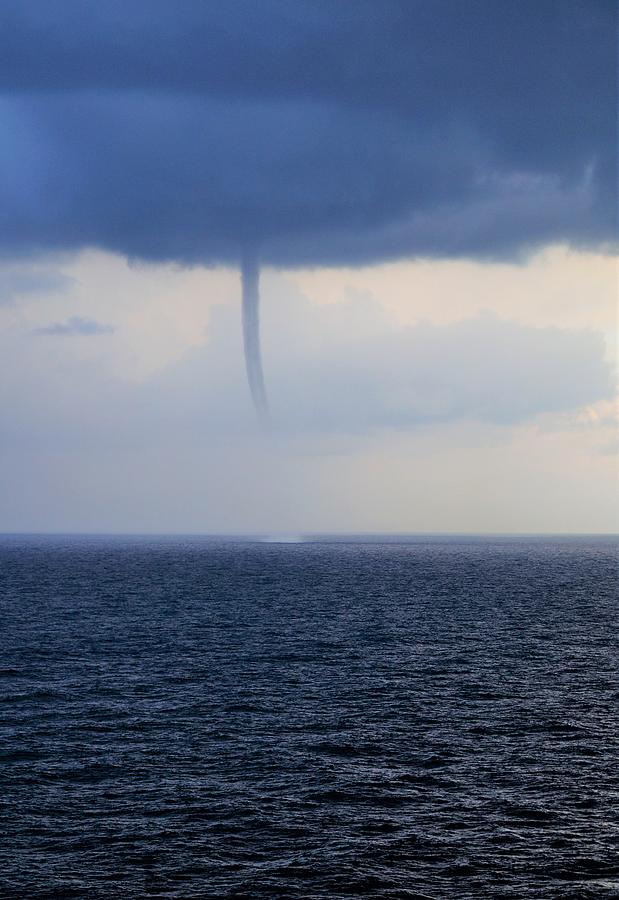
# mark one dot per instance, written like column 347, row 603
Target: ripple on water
column 429, row 718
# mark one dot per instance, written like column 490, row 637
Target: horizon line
column 307, row 534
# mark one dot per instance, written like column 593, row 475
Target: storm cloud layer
column 320, row 132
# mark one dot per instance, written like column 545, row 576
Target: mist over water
column 213, row 718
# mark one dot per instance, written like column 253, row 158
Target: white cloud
column 473, row 421
column 330, row 369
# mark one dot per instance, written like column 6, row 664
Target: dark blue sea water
column 184, row 717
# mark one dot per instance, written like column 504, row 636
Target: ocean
column 331, row 718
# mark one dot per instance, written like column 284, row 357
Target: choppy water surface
column 195, row 718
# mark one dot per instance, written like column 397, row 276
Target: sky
column 431, row 189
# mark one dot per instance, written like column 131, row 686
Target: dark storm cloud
column 324, row 132
column 15, row 283
column 76, row 325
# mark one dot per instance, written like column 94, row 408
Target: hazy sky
column 432, row 188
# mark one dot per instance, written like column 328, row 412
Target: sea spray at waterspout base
column 250, row 277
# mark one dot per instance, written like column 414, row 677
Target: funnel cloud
column 250, row 277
